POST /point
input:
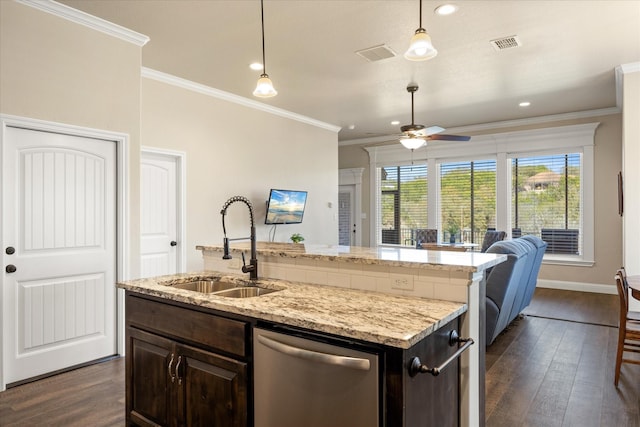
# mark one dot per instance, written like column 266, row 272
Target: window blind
column 547, row 202
column 403, row 203
column 467, row 199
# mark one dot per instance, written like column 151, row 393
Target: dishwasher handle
column 315, row 356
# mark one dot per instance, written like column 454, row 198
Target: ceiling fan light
column 420, row 48
column 264, row 88
column 412, row 143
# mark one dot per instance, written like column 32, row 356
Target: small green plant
column 297, row 238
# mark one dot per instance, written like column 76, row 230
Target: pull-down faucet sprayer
column 252, row 268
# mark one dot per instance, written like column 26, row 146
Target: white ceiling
column 565, row 64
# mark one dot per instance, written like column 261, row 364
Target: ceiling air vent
column 506, row 43
column 376, row 53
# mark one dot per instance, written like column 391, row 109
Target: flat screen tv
column 285, row 207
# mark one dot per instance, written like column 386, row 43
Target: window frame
column 503, row 147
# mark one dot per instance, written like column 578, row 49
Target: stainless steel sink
column 217, row 286
column 205, row 286
column 245, row 292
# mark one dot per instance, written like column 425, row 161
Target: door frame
column 180, row 157
column 353, row 176
column 122, row 206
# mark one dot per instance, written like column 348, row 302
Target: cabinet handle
column 173, row 377
column 416, row 367
column 178, row 373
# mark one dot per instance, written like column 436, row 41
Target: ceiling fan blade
column 432, row 130
column 442, row 137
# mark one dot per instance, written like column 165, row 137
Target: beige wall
column 56, row 70
column 237, row 150
column 631, row 172
column 608, row 225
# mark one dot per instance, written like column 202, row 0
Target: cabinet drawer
column 201, row 329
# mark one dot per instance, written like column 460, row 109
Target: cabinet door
column 150, row 398
column 215, row 389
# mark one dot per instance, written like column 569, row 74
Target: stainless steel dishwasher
column 301, row 382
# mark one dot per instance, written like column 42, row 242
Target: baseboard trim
column 577, row 286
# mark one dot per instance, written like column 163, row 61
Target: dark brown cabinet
column 171, row 382
column 189, row 366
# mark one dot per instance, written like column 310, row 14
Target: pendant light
column 264, row 88
column 420, row 48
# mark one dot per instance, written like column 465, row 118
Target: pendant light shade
column 412, row 143
column 420, row 48
column 264, row 88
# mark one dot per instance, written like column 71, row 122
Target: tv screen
column 285, row 207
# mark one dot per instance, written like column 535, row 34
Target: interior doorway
column 60, row 248
column 162, row 234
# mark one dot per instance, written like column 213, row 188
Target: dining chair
column 425, row 235
column 628, row 327
column 490, row 237
column 633, row 315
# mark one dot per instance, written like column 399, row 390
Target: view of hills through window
column 545, row 201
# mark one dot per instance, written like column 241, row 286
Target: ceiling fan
column 415, row 135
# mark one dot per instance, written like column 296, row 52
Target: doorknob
column 10, row 268
column 173, row 243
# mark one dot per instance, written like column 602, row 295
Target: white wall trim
column 577, row 286
column 149, row 73
column 498, row 125
column 90, row 21
column 180, row 158
column 122, row 196
column 620, row 71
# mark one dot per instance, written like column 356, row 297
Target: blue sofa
column 510, row 285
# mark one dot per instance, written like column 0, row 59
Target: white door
column 58, row 234
column 158, row 214
column 346, row 215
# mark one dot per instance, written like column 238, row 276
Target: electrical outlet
column 402, row 282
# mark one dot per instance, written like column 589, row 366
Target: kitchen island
column 194, row 354
column 442, row 275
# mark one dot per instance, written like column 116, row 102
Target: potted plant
column 453, row 229
column 297, row 238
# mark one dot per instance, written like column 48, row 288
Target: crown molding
column 149, row 73
column 498, row 125
column 90, row 21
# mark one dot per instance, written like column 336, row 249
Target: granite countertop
column 391, row 256
column 391, row 320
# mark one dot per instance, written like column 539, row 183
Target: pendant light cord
column 420, row 14
column 264, row 62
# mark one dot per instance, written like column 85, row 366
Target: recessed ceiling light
column 256, row 66
column 395, row 122
column 446, row 9
column 524, row 104
column 352, row 127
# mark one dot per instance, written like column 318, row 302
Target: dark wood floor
column 540, row 372
column 556, row 372
column 90, row 396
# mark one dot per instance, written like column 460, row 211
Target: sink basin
column 205, row 286
column 245, row 292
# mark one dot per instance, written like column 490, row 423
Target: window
column 537, row 181
column 403, row 203
column 467, row 200
column 546, row 200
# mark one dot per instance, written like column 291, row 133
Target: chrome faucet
column 252, row 268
